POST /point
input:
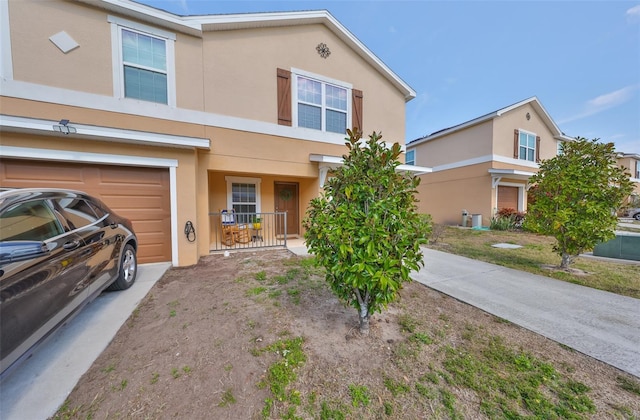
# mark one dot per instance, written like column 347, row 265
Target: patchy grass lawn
column 260, row 336
column 535, row 255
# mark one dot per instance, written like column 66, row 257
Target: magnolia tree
column 364, row 228
column 575, row 197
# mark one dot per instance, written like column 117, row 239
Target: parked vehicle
column 633, row 212
column 59, row 250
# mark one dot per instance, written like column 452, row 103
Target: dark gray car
column 59, row 249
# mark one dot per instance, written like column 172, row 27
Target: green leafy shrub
column 364, row 229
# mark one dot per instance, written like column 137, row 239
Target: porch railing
column 251, row 230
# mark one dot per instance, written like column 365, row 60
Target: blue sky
column 465, row 59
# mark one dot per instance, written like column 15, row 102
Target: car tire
column 636, row 216
column 128, row 269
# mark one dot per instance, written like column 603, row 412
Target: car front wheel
column 128, row 269
column 636, row 216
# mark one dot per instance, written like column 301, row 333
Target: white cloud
column 611, row 99
column 634, row 11
column 603, row 102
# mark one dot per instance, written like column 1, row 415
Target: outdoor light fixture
column 64, row 127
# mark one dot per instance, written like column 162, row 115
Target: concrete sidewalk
column 40, row 385
column 600, row 324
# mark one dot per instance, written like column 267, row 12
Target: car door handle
column 71, row 245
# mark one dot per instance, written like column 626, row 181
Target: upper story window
column 311, row 101
column 143, row 60
column 410, row 158
column 637, row 171
column 321, row 105
column 526, row 146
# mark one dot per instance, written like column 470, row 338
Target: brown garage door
column 139, row 194
column 507, row 198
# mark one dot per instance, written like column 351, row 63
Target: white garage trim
column 108, row 159
column 521, row 190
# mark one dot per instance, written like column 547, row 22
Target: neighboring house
column 171, row 118
column 483, row 165
column 631, row 162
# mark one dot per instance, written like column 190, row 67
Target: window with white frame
column 637, row 172
column 243, row 196
column 145, row 62
column 527, row 146
column 560, row 149
column 410, row 158
column 321, row 105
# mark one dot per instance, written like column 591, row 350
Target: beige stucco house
column 169, row 119
column 631, row 163
column 483, row 165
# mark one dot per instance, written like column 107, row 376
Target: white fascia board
column 325, row 159
column 85, row 157
column 148, row 14
column 511, row 172
column 416, row 169
column 45, row 127
column 516, row 105
column 335, row 160
column 485, row 159
column 564, row 137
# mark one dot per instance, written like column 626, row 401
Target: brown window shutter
column 537, row 148
column 284, row 97
column 356, row 112
column 516, row 134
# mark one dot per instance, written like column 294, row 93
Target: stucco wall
column 240, row 74
column 469, row 143
column 445, row 194
column 517, row 119
column 87, row 68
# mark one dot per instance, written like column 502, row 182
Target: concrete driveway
column 600, row 324
column 38, row 387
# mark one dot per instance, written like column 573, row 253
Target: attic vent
column 64, row 42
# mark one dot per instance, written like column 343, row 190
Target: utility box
column 476, row 220
column 465, row 218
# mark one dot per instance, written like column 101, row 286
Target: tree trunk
column 566, row 261
column 364, row 320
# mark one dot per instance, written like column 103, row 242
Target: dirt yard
column 201, row 346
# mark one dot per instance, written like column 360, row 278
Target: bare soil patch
column 195, row 349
